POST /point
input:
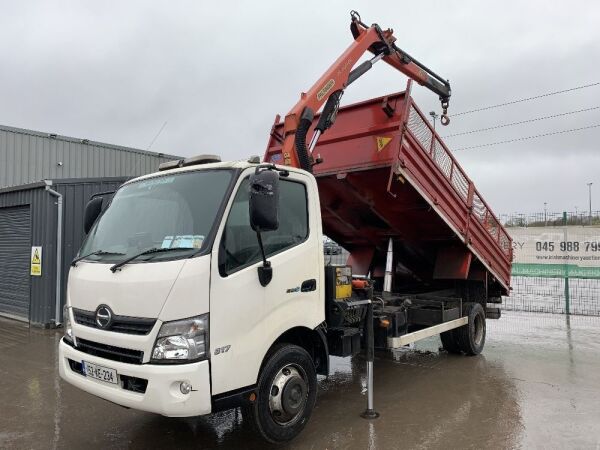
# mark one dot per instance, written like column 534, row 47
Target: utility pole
column 545, row 214
column 566, row 269
column 590, row 195
column 434, row 116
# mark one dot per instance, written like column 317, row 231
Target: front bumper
column 162, row 395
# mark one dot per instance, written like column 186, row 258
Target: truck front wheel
column 287, row 391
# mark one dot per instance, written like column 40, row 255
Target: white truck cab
column 166, row 313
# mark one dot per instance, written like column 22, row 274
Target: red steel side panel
column 387, row 174
column 435, row 171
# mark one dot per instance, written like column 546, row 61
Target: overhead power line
column 157, row 134
column 525, row 138
column 536, row 119
column 521, row 100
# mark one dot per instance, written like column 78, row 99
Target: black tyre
column 287, row 391
column 470, row 338
column 449, row 342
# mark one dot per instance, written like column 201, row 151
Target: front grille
column 119, row 324
column 120, row 354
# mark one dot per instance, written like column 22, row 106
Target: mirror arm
column 262, row 249
column 270, row 166
column 265, row 272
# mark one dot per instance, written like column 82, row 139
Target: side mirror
column 264, row 213
column 91, row 213
column 264, row 200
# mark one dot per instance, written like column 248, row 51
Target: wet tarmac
column 537, row 385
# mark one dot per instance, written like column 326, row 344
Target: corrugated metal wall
column 43, row 213
column 27, row 156
column 76, row 194
column 43, row 232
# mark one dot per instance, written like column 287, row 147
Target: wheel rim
column 288, row 395
column 478, row 324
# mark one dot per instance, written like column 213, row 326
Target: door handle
column 308, row 285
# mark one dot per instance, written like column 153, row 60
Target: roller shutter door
column 15, row 250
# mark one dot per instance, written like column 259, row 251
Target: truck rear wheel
column 287, row 391
column 470, row 338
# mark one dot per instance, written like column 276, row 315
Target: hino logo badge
column 103, row 316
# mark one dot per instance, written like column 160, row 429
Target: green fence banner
column 556, row 252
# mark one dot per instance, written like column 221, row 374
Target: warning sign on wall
column 36, row 261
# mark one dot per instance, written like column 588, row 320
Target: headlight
column 67, row 324
column 182, row 340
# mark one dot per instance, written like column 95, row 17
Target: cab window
column 239, row 244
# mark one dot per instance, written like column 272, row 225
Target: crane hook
column 444, row 119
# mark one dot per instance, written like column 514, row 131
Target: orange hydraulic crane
column 386, row 175
column 329, row 88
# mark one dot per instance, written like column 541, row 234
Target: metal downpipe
column 59, row 233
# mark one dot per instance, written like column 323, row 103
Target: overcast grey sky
column 218, row 72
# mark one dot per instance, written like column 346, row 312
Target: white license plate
column 100, row 373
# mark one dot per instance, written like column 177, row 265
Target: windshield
column 168, row 212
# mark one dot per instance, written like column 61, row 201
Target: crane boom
column 330, row 87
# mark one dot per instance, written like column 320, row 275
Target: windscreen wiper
column 149, row 251
column 96, row 253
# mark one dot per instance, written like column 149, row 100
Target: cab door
column 245, row 317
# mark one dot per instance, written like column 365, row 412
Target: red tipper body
column 387, row 174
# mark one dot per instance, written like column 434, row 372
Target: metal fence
column 550, row 219
column 562, row 293
column 336, row 259
column 548, row 294
column 554, row 295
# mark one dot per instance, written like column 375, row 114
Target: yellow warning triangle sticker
column 382, row 142
column 36, row 257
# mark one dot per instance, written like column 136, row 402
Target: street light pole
column 590, row 196
column 434, row 116
column 545, row 214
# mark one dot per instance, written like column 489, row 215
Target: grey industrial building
column 45, row 182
